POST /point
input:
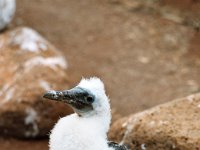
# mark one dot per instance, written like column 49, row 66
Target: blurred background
column 147, row 52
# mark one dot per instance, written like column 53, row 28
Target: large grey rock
column 7, row 11
column 29, row 65
column 174, row 125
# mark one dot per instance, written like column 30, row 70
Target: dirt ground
column 144, row 55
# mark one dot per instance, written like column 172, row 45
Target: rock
column 174, row 125
column 18, row 144
column 29, row 65
column 187, row 13
column 115, row 115
column 7, row 11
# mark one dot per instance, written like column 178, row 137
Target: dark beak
column 54, row 95
column 67, row 96
column 74, row 97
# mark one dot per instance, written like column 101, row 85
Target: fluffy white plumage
column 88, row 132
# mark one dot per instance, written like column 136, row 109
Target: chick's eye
column 90, row 99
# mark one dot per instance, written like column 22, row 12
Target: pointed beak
column 68, row 96
column 76, row 98
column 54, row 95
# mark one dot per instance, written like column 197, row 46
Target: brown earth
column 144, row 57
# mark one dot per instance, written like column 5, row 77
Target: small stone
column 143, row 60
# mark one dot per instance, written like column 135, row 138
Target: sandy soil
column 143, row 58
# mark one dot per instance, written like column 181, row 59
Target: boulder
column 29, row 66
column 7, row 11
column 174, row 125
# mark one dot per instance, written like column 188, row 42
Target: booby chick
column 87, row 128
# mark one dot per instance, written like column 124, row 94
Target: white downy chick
column 87, row 128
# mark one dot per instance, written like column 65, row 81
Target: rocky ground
column 27, row 58
column 174, row 125
column 147, row 52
